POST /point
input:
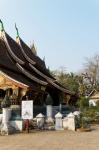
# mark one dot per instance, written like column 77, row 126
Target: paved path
column 61, row 140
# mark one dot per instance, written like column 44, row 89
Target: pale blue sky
column 64, row 31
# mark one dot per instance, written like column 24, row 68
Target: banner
column 27, row 109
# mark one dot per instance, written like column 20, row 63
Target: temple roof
column 38, row 63
column 18, row 62
column 8, row 64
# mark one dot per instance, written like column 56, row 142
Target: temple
column 24, row 75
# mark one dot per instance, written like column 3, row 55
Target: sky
column 65, row 32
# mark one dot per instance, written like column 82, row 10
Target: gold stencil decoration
column 2, row 80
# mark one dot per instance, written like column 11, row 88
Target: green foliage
column 72, row 83
column 82, row 121
column 83, row 83
column 83, row 103
column 88, row 116
column 97, row 103
column 68, row 80
column 92, row 114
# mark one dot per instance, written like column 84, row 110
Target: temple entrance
column 2, row 93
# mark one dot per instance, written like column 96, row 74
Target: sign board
column 27, row 109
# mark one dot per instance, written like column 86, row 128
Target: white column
column 49, row 111
column 6, row 115
column 5, row 120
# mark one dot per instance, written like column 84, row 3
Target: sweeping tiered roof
column 18, row 62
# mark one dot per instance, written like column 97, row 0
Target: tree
column 72, row 82
column 83, row 102
column 68, row 80
column 91, row 72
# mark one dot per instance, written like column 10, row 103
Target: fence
column 55, row 109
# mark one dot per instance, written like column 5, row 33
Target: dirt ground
column 52, row 140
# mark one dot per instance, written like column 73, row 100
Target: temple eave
column 10, row 81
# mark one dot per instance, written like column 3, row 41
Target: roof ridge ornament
column 17, row 32
column 1, row 26
column 33, row 48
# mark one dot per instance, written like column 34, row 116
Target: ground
column 52, row 140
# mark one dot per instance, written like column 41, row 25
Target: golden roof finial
column 17, row 31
